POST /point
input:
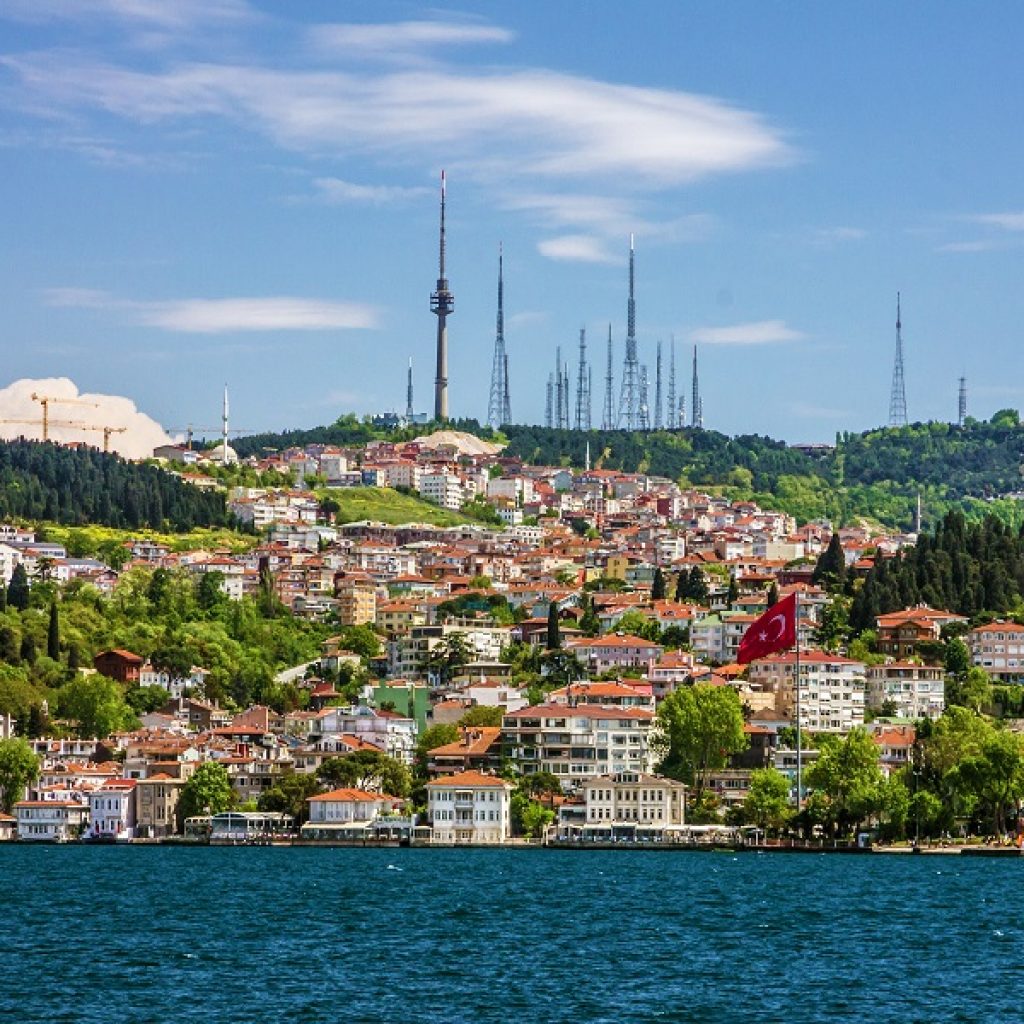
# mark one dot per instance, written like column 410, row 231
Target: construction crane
column 107, row 431
column 45, row 400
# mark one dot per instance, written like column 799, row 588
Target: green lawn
column 384, row 505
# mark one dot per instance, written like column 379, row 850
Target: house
column 8, row 823
column 118, row 664
column 616, row 652
column 50, row 821
column 477, row 748
column 156, row 806
column 625, row 805
column 900, row 633
column 356, row 814
column 469, row 808
column 112, row 811
column 998, row 648
column 911, row 690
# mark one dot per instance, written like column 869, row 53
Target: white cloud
column 1006, row 221
column 760, row 332
column 82, row 418
column 526, row 318
column 335, row 190
column 495, row 123
column 979, row 245
column 163, row 14
column 386, row 39
column 216, row 316
column 576, row 249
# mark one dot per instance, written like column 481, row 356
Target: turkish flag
column 773, row 631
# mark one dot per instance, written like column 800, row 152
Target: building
column 354, row 814
column 124, row 666
column 156, row 806
column 900, row 633
column 357, row 599
column 578, row 743
column 469, row 808
column 910, row 690
column 832, row 688
column 478, row 748
column 636, row 798
column 998, row 648
column 50, row 821
column 112, row 811
column 616, row 652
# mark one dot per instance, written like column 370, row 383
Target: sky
column 213, row 192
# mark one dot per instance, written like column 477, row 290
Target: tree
column 956, row 657
column 702, row 725
column 143, row 700
column 361, row 640
column 97, row 706
column 830, row 568
column 554, row 641
column 208, row 791
column 561, row 667
column 767, row 802
column 53, row 634
column 436, row 736
column 540, row 784
column 449, row 655
column 848, row 776
column 773, row 594
column 733, row 594
column 658, row 586
column 369, row 770
column 19, row 769
column 481, row 715
column 589, row 623
column 995, row 776
column 290, row 795
column 18, row 588
column 528, row 817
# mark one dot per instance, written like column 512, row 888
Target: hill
column 384, row 505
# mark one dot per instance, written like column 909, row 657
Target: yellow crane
column 72, row 425
column 45, row 400
column 190, row 431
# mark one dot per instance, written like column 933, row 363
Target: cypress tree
column 53, row 633
column 658, row 585
column 554, row 631
column 773, row 594
column 17, row 589
column 831, row 566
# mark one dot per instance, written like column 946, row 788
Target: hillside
column 384, row 505
column 877, row 474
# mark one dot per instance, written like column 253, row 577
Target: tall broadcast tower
column 672, row 420
column 608, row 419
column 499, row 412
column 696, row 406
column 442, row 305
column 629, row 397
column 658, row 422
column 583, row 386
column 898, row 395
column 961, row 417
column 409, row 413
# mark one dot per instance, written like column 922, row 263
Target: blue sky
column 214, row 191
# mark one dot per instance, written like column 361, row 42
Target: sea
column 155, row 934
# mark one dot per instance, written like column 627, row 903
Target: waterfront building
column 112, row 810
column 50, row 821
column 156, row 805
column 469, row 808
column 353, row 814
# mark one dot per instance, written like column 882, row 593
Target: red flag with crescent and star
column 773, row 631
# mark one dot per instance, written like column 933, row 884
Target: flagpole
column 799, row 745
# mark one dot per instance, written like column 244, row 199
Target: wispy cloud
column 576, row 249
column 975, row 245
column 335, row 190
column 505, row 124
column 760, row 332
column 217, row 316
column 834, row 235
column 388, row 39
column 1007, row 221
column 526, row 318
column 164, row 14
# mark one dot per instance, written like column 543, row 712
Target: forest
column 78, row 486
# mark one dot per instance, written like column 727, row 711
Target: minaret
column 608, row 420
column 673, row 417
column 224, row 429
column 583, row 386
column 409, row 414
column 898, row 395
column 499, row 385
column 962, row 405
column 629, row 397
column 658, row 421
column 442, row 305
column 696, row 415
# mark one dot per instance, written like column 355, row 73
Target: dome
column 222, row 453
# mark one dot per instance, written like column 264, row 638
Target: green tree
column 481, row 715
column 974, row 691
column 528, row 817
column 369, row 770
column 956, row 657
column 144, row 700
column 208, row 791
column 561, row 667
column 53, row 634
column 435, row 736
column 702, row 726
column 830, row 568
column 448, row 656
column 589, row 623
column 554, row 641
column 18, row 588
column 290, row 795
column 361, row 640
column 848, row 776
column 97, row 706
column 994, row 776
column 658, row 585
column 767, row 802
column 19, row 768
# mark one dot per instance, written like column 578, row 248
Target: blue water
column 150, row 934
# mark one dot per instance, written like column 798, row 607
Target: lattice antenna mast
column 629, row 397
column 408, row 395
column 549, row 409
column 672, row 420
column 695, row 407
column 658, row 421
column 442, row 305
column 566, row 391
column 608, row 419
column 506, row 405
column 583, row 386
column 224, row 429
column 898, row 395
column 499, row 389
column 961, row 417
column 643, row 413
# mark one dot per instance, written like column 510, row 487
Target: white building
column 392, row 734
column 469, row 808
column 635, row 798
column 917, row 691
column 355, row 814
column 50, row 821
column 998, row 648
column 444, row 489
column 112, row 810
column 578, row 743
column 832, row 688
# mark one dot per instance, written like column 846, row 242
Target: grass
column 384, row 505
column 89, row 539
